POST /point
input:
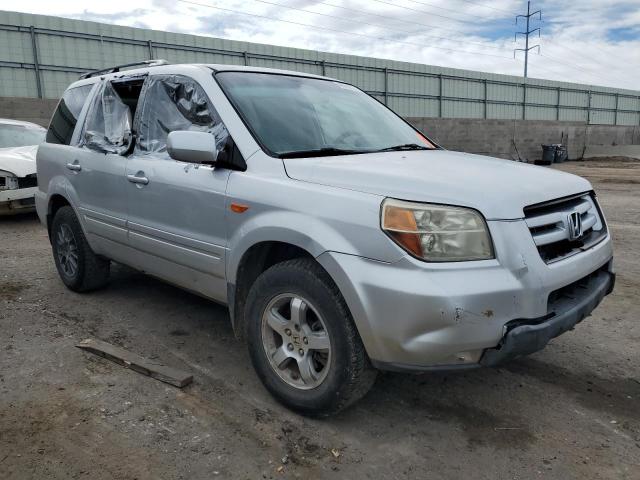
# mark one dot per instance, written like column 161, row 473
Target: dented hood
column 500, row 189
column 21, row 161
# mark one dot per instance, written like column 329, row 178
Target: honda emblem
column 574, row 221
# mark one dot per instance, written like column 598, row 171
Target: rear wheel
column 79, row 268
column 302, row 340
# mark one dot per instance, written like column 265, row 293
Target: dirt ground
column 570, row 411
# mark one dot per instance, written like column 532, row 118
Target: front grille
column 552, row 229
column 28, row 181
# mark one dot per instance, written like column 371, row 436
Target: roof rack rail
column 149, row 63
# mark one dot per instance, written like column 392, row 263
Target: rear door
column 97, row 169
column 177, row 209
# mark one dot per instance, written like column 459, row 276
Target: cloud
column 592, row 41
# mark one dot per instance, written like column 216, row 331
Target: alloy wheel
column 296, row 341
column 67, row 250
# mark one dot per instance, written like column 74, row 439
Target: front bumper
column 17, row 201
column 416, row 316
column 573, row 304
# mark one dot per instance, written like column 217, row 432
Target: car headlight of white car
column 8, row 181
column 437, row 233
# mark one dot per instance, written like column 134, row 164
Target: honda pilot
column 342, row 240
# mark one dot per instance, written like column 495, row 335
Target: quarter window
column 66, row 115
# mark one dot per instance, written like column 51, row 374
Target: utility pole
column 526, row 36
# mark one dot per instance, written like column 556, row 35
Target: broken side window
column 176, row 102
column 108, row 125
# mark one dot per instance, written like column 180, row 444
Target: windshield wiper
column 406, row 146
column 320, row 152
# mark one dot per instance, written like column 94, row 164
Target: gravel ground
column 570, row 411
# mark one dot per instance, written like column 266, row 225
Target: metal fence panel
column 456, row 109
column 540, row 113
column 508, row 93
column 626, row 118
column 17, row 82
column 603, row 117
column 502, row 111
column 15, row 47
column 574, row 98
column 572, row 115
column 40, row 55
column 542, row 96
column 414, row 107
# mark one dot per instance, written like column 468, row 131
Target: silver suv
column 342, row 239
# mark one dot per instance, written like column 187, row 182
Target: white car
column 18, row 182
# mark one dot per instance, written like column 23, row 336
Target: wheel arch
column 256, row 259
column 56, row 202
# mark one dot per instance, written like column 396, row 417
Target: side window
column 108, row 125
column 176, row 102
column 66, row 115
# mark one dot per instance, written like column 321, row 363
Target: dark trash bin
column 561, row 154
column 548, row 155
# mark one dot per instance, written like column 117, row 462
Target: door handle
column 74, row 167
column 138, row 178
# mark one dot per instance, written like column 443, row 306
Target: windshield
column 20, row 136
column 292, row 115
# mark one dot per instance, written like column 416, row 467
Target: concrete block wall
column 522, row 139
column 35, row 110
column 514, row 139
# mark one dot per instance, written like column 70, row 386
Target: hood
column 500, row 189
column 21, row 161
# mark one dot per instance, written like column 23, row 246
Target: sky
column 588, row 41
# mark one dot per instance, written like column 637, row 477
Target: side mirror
column 193, row 147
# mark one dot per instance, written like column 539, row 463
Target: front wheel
column 302, row 340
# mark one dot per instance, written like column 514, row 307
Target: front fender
column 309, row 234
column 316, row 218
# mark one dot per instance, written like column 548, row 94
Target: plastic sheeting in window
column 175, row 102
column 108, row 127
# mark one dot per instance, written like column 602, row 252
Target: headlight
column 437, row 233
column 8, row 181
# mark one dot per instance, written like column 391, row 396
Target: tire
column 336, row 376
column 79, row 268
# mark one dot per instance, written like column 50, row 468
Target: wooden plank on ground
column 135, row 362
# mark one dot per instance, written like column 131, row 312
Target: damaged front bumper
column 568, row 307
column 20, row 200
column 414, row 316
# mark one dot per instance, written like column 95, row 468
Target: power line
column 488, row 6
column 426, row 4
column 412, row 22
column 425, row 12
column 553, row 59
column 377, row 25
column 574, row 65
column 580, row 54
column 386, row 17
column 339, row 31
